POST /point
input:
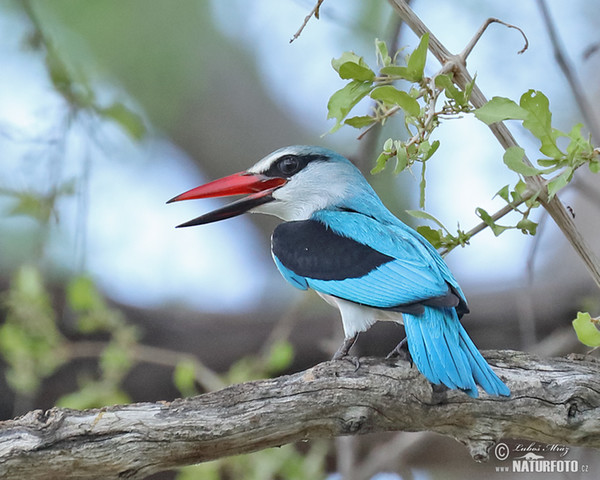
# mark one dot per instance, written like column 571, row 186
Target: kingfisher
column 339, row 239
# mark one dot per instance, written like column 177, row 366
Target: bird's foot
column 342, row 352
column 401, row 352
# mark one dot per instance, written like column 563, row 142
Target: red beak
column 259, row 187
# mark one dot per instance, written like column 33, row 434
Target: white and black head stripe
column 286, row 162
column 290, row 164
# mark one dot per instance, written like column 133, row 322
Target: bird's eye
column 288, row 165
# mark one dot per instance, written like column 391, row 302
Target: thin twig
column 462, row 78
column 467, row 50
column 315, row 12
column 585, row 107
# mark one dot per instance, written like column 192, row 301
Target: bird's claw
column 401, row 352
column 342, row 352
column 352, row 359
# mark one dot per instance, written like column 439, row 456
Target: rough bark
column 553, row 400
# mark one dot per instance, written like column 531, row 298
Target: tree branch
column 536, row 183
column 552, row 401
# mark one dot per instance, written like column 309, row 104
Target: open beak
column 259, row 187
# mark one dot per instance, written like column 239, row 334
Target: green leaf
column 417, row 59
column 559, row 182
column 397, row 71
column 539, row 122
column 426, row 150
column 520, row 188
column 130, row 121
column 344, row 100
column 450, row 90
column 489, row 221
column 499, row 109
column 360, row 122
column 382, row 52
column 427, row 216
column 401, row 161
column 503, row 193
column 586, row 329
column 348, row 57
column 392, row 96
column 513, row 159
column 527, row 226
column 431, row 235
column 354, row 71
column 381, row 162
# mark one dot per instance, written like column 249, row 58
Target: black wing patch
column 310, row 249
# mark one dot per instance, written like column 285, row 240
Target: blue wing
column 357, row 258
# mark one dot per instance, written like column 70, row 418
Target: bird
column 338, row 238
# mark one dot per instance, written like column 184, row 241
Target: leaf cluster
column 418, row 103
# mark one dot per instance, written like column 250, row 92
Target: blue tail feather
column 444, row 353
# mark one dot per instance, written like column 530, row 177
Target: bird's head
column 290, row 183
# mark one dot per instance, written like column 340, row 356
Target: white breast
column 359, row 318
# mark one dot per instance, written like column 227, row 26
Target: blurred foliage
column 30, row 341
column 285, row 462
column 116, row 49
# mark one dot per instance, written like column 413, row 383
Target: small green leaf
column 539, row 122
column 503, row 193
column 427, row 150
column 499, row 109
column 348, row 57
column 381, row 162
column 559, row 182
column 489, row 221
column 382, row 52
column 401, row 161
column 450, row 90
column 343, row 101
column 520, row 188
column 586, row 329
column 527, row 226
column 431, row 235
column 513, row 159
column 354, row 71
column 360, row 122
column 426, row 216
column 396, row 71
column 392, row 96
column 417, row 59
